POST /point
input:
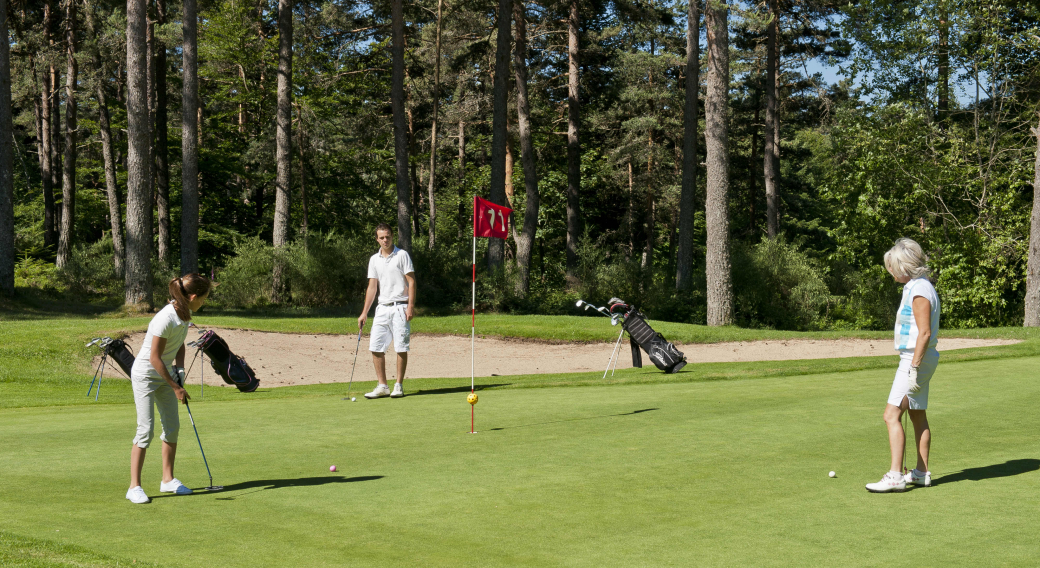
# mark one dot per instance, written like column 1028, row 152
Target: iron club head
column 580, row 303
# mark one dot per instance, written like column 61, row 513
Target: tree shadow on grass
column 1006, row 469
column 264, row 484
column 574, row 419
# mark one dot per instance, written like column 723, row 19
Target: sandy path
column 281, row 359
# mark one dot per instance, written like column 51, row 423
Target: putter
column 356, row 348
column 192, row 418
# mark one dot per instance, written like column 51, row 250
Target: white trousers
column 148, row 394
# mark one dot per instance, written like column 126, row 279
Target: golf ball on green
column 333, row 468
column 832, row 474
column 353, row 398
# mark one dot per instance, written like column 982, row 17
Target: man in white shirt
column 390, row 272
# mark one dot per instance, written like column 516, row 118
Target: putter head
column 214, row 488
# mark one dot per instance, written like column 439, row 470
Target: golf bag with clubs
column 115, row 349
column 662, row 352
column 232, row 368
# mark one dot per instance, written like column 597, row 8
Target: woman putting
column 917, row 327
column 157, row 376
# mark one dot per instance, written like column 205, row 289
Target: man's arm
column 370, row 296
column 410, row 278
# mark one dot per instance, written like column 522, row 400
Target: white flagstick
column 473, row 328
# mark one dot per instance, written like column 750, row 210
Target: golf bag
column 116, row 350
column 119, row 352
column 661, row 351
column 232, row 368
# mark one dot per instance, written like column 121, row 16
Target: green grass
column 705, row 473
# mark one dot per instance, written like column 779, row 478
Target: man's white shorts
column 390, row 324
column 901, row 383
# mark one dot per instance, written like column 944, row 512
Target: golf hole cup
column 472, row 398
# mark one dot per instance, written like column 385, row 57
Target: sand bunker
column 282, row 359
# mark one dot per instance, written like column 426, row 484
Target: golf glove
column 912, row 380
column 178, row 373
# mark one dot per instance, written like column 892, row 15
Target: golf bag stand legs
column 616, row 350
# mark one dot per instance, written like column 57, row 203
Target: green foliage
column 778, row 286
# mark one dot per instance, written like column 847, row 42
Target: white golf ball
column 832, row 474
column 353, row 398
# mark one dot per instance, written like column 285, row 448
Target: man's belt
column 394, row 303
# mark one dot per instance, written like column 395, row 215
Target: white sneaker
column 379, row 392
column 892, row 481
column 137, row 495
column 924, row 479
column 174, row 486
column 398, row 391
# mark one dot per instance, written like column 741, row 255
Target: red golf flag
column 490, row 220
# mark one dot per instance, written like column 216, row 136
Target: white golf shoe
column 398, row 391
column 891, row 482
column 379, row 392
column 174, row 486
column 921, row 478
column 137, row 495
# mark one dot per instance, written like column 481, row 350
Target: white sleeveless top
column 906, row 331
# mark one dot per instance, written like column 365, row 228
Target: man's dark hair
column 384, row 227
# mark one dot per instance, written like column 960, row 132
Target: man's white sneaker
column 398, row 391
column 379, row 392
column 174, row 486
column 892, row 481
column 137, row 495
column 924, row 479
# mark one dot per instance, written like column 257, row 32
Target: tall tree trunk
column 404, row 214
column 162, row 165
column 6, row 161
column 138, row 191
column 108, row 156
column 283, row 141
column 772, row 151
column 573, row 145
column 525, row 243
column 1032, row 317
column 189, row 142
column 303, row 186
column 56, row 134
column 462, row 178
column 46, row 139
column 499, row 128
column 68, row 177
column 687, row 201
column 720, row 287
column 433, row 131
column 944, row 64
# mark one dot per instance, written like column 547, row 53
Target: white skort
column 901, row 383
column 390, row 324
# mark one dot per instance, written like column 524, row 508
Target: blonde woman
column 916, row 336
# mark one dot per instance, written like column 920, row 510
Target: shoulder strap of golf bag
column 637, row 356
column 232, row 368
column 118, row 350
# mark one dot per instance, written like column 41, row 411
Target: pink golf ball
column 332, row 468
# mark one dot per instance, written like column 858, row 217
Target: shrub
column 776, row 285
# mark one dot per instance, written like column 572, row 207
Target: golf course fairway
column 714, row 473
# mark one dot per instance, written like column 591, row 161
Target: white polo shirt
column 390, row 271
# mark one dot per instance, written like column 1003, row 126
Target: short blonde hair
column 907, row 259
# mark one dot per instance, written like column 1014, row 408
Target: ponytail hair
column 187, row 285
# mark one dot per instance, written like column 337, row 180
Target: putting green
column 706, row 473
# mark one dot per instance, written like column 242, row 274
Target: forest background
column 681, row 155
